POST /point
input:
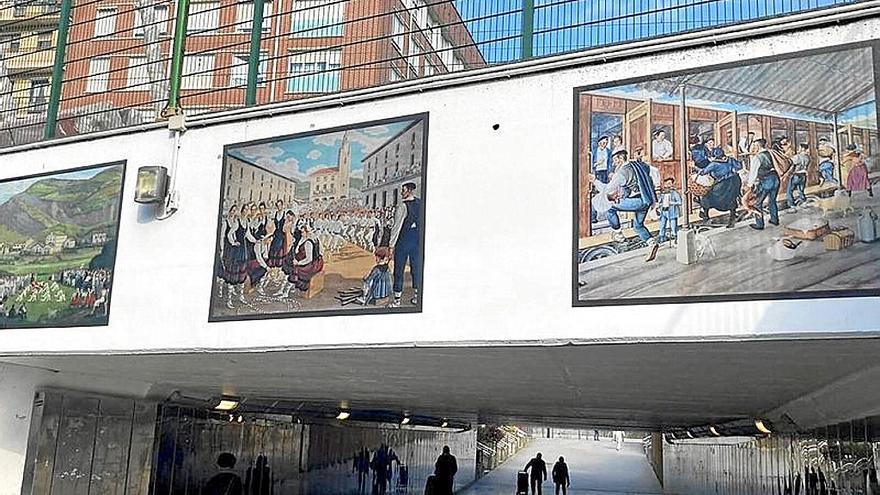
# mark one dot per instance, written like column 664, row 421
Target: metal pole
column 250, row 98
column 528, row 27
column 58, row 70
column 682, row 120
column 173, row 107
column 837, row 153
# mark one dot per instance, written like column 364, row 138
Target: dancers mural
column 325, row 222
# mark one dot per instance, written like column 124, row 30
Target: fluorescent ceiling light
column 226, row 404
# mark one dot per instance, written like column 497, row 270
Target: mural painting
column 326, row 222
column 749, row 181
column 58, row 236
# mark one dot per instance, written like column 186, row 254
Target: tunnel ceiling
column 636, row 385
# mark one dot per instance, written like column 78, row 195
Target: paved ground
column 596, row 469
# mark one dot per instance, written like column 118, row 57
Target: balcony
column 30, row 61
column 25, row 14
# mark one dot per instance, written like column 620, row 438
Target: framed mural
column 323, row 223
column 58, row 236
column 760, row 182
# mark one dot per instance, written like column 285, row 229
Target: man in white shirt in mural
column 661, row 148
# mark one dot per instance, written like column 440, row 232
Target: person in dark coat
column 725, row 192
column 538, row 473
column 225, row 482
column 258, row 479
column 444, row 472
column 560, row 476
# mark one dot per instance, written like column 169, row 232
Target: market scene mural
column 746, row 182
column 322, row 222
column 58, row 247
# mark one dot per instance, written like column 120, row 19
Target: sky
column 296, row 158
column 566, row 25
column 11, row 188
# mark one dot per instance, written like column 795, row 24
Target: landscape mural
column 326, row 222
column 58, row 247
column 753, row 181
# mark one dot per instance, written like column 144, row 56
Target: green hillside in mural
column 58, row 247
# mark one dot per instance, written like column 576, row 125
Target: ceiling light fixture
column 762, row 427
column 714, row 431
column 226, row 403
column 343, row 415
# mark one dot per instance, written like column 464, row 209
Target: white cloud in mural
column 378, row 130
column 369, row 142
column 256, row 152
column 359, row 173
column 331, row 139
column 313, row 155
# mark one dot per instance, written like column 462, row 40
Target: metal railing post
column 173, row 107
column 250, row 98
column 528, row 28
column 58, row 70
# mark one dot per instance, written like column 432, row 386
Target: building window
column 317, row 18
column 138, row 78
column 429, row 68
column 44, row 41
column 244, row 16
column 160, row 20
column 457, row 63
column 414, row 51
column 105, row 22
column 316, row 72
column 420, row 15
column 99, row 75
column 198, row 72
column 398, row 33
column 239, row 69
column 38, row 94
column 13, row 41
column 395, row 74
column 20, row 9
column 203, row 17
column 145, row 115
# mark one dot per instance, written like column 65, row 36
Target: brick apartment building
column 309, row 47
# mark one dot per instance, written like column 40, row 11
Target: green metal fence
column 79, row 66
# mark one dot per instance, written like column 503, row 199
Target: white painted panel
column 498, row 228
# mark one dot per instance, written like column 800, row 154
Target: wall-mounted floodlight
column 152, row 185
column 445, row 424
column 226, row 403
column 405, row 421
column 343, row 415
column 714, row 431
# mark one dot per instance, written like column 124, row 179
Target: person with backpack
column 560, row 476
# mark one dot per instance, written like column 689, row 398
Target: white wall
column 499, row 220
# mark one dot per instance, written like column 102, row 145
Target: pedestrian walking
column 538, row 473
column 618, row 437
column 560, row 476
column 444, row 473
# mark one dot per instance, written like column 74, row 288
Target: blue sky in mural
column 298, row 157
column 10, row 189
column 566, row 25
